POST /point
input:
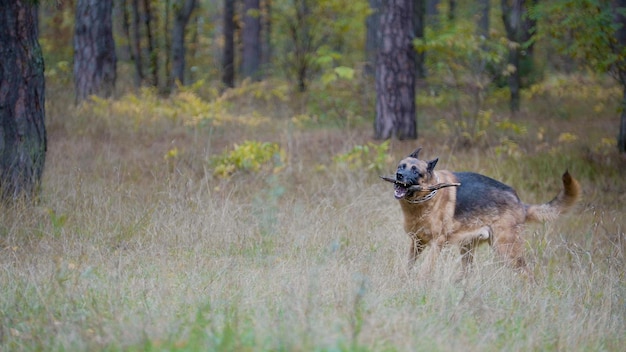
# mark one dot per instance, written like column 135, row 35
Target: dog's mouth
column 400, row 190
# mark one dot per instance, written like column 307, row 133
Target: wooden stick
column 418, row 188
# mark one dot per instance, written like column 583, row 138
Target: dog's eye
column 414, row 169
column 402, row 166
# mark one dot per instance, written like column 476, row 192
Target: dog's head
column 413, row 171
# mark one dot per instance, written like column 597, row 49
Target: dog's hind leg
column 510, row 247
column 469, row 241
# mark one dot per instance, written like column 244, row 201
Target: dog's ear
column 431, row 165
column 415, row 153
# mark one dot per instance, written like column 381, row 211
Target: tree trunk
column 482, row 23
column 266, row 55
column 167, row 43
column 432, row 13
column 251, row 36
column 620, row 36
column 452, row 10
column 512, row 18
column 372, row 40
column 94, row 49
column 181, row 19
column 130, row 47
column 420, row 57
column 137, row 43
column 301, row 34
column 228, row 61
column 621, row 136
column 395, row 73
column 22, row 101
column 153, row 55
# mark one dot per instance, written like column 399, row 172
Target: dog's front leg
column 433, row 254
column 416, row 248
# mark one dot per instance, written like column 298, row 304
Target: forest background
column 240, row 209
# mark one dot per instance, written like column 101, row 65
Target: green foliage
column 483, row 130
column 366, row 157
column 339, row 98
column 145, row 107
column 584, row 30
column 310, row 33
column 249, row 157
column 462, row 67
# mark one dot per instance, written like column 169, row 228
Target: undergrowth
column 193, row 223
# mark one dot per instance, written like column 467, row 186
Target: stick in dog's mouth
column 401, row 189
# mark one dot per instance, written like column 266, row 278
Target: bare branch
column 418, row 188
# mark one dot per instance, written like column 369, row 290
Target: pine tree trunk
column 621, row 138
column 620, row 36
column 228, row 61
column 251, row 37
column 266, row 49
column 395, row 73
column 372, row 37
column 420, row 18
column 181, row 19
column 94, row 49
column 136, row 33
column 153, row 54
column 22, row 101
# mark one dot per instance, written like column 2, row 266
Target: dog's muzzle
column 400, row 191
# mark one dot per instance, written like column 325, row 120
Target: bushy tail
column 565, row 200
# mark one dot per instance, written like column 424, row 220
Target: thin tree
column 482, row 23
column 182, row 13
column 22, row 101
column 372, row 37
column 420, row 24
column 228, row 60
column 519, row 28
column 300, row 28
column 251, row 38
column 94, row 49
column 395, row 73
column 266, row 49
column 619, row 68
column 153, row 55
column 136, row 36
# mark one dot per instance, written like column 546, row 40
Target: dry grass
column 127, row 250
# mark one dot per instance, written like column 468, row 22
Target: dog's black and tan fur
column 480, row 210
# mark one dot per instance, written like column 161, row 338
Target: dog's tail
column 565, row 200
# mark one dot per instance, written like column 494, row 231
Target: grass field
column 135, row 244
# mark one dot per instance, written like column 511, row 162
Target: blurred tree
column 182, row 13
column 451, row 10
column 135, row 39
column 372, row 38
column 482, row 23
column 266, row 49
column 619, row 68
column 592, row 32
column 228, row 59
column 22, row 100
column 420, row 56
column 395, row 73
column 300, row 28
column 432, row 13
column 153, row 54
column 94, row 49
column 251, row 38
column 519, row 27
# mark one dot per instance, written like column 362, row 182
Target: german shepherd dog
column 467, row 209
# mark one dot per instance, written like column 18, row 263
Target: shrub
column 250, row 157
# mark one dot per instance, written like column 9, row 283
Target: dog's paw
column 486, row 233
